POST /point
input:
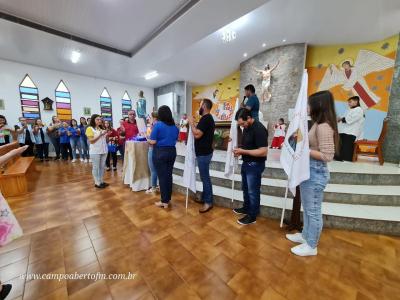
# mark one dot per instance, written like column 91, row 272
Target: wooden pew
column 13, row 181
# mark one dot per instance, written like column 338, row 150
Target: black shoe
column 101, row 186
column 56, row 158
column 104, row 184
column 5, row 291
column 108, row 168
column 115, row 168
column 239, row 211
column 246, row 220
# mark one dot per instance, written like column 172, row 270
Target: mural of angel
column 351, row 77
column 266, row 75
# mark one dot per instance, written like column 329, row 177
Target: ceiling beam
column 60, row 33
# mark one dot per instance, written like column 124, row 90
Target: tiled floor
column 71, row 227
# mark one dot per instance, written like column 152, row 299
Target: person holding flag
column 203, row 145
column 254, row 153
column 323, row 140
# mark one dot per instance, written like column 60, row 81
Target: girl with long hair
column 323, row 140
column 42, row 140
column 97, row 137
column 153, row 171
column 112, row 146
column 75, row 139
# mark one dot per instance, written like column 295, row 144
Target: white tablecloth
column 136, row 171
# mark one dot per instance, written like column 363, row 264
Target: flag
column 233, row 134
column 189, row 171
column 295, row 155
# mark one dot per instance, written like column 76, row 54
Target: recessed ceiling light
column 151, row 75
column 75, row 56
column 245, row 54
column 264, row 45
column 228, row 35
column 284, row 40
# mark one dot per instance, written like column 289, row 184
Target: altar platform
column 362, row 196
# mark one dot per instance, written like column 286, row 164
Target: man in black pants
column 254, row 153
column 204, row 136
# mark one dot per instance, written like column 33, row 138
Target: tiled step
column 368, row 218
column 334, row 193
column 339, row 175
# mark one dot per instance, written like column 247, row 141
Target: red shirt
column 131, row 130
column 121, row 139
column 113, row 136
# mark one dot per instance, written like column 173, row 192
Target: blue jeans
column 85, row 147
column 76, row 145
column 251, row 185
column 312, row 194
column 152, row 168
column 203, row 162
column 56, row 144
column 98, row 166
column 164, row 159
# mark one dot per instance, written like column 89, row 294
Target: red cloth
column 121, row 140
column 277, row 142
column 131, row 130
column 183, row 136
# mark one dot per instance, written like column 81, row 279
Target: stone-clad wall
column 285, row 83
column 391, row 150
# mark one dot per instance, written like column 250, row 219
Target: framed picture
column 2, row 107
column 87, row 111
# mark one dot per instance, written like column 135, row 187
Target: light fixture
column 264, row 45
column 245, row 54
column 75, row 56
column 151, row 75
column 228, row 35
column 284, row 40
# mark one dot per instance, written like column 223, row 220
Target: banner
column 295, row 156
column 233, row 134
column 189, row 171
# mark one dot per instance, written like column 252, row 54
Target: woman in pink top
column 323, row 139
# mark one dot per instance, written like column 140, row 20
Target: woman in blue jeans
column 163, row 137
column 84, row 141
column 153, row 171
column 75, row 139
column 323, row 140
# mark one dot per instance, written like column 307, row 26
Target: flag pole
column 233, row 180
column 187, row 198
column 286, row 194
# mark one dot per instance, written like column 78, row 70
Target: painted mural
column 365, row 70
column 223, row 94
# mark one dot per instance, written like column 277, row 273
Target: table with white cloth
column 136, row 171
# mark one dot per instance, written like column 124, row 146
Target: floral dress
column 9, row 227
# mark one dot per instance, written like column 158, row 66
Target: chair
column 377, row 145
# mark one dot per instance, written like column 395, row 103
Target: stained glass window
column 126, row 104
column 106, row 105
column 29, row 95
column 63, row 102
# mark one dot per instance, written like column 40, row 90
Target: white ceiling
column 191, row 48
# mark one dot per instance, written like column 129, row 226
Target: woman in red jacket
column 112, row 142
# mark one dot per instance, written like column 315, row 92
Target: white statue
column 266, row 81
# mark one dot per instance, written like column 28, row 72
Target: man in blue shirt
column 252, row 104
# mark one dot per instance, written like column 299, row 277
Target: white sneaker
column 82, row 160
column 304, row 250
column 90, row 160
column 150, row 191
column 74, row 160
column 296, row 238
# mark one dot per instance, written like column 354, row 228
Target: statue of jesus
column 266, row 81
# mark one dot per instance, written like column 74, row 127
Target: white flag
column 189, row 171
column 233, row 134
column 295, row 156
